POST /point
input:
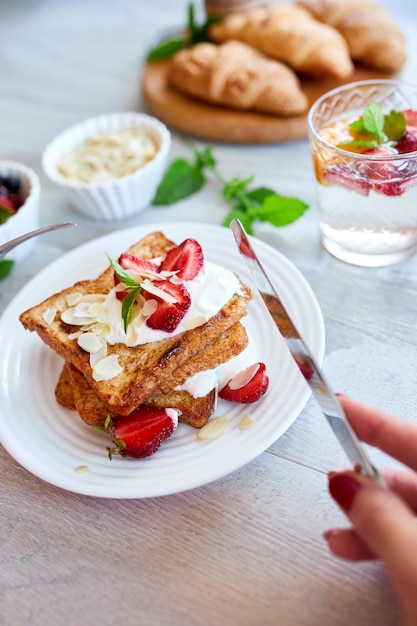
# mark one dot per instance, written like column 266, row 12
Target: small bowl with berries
column 19, row 206
column 109, row 167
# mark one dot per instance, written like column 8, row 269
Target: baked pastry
column 372, row 36
column 290, row 34
column 142, row 367
column 235, row 75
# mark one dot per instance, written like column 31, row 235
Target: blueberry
column 12, row 183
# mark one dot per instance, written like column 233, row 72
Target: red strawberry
column 247, row 386
column 140, row 434
column 389, row 188
column 138, row 265
column 343, row 177
column 410, row 117
column 171, row 309
column 407, row 143
column 7, row 204
column 186, row 259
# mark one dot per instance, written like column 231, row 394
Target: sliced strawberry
column 247, row 386
column 410, row 117
column 173, row 303
column 186, row 260
column 138, row 265
column 407, row 143
column 389, row 188
column 140, row 434
column 343, row 177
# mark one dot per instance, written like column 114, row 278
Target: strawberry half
column 186, row 260
column 138, row 265
column 343, row 177
column 410, row 117
column 173, row 302
column 140, row 434
column 407, row 143
column 247, row 386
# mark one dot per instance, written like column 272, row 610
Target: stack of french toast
column 254, row 60
column 148, row 374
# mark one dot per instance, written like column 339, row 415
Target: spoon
column 9, row 245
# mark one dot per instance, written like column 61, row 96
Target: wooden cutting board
column 216, row 123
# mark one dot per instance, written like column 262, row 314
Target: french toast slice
column 194, row 411
column 144, row 367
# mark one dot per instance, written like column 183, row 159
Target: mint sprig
column 374, row 129
column 250, row 204
column 132, row 286
column 194, row 33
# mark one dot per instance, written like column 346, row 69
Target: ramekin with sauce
column 110, row 166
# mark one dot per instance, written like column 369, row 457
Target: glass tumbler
column 366, row 202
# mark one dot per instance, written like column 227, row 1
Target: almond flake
column 49, row 315
column 241, row 379
column 149, row 307
column 73, row 298
column 68, row 317
column 107, row 368
column 148, row 286
column 75, row 335
column 96, row 309
column 246, row 422
column 100, row 329
column 193, row 323
column 81, row 469
column 90, row 342
column 93, row 297
column 212, row 429
column 95, row 357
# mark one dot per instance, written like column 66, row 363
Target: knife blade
column 309, row 368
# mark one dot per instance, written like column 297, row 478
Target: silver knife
column 326, row 399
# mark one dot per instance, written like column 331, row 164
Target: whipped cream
column 210, row 291
column 203, row 382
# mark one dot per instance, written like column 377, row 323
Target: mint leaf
column 127, row 306
column 182, row 179
column 5, row 267
column 235, row 186
column 165, row 49
column 259, row 194
column 122, row 275
column 394, row 125
column 281, row 210
column 194, row 33
column 373, row 121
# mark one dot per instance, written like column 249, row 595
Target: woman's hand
column 383, row 520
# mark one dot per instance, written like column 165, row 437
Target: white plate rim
column 128, row 478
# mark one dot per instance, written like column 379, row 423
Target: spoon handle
column 6, row 247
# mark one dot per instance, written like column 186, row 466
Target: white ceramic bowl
column 119, row 198
column 27, row 217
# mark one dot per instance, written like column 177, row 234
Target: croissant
column 373, row 38
column 290, row 34
column 237, row 76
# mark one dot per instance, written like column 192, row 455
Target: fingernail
column 343, row 489
column 333, row 532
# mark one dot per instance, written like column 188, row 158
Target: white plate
column 51, row 442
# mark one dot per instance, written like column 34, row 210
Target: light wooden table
column 246, row 549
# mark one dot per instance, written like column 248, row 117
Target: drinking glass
column 367, row 203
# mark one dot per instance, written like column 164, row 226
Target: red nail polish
column 343, row 489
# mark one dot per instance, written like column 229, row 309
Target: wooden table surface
column 246, row 549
